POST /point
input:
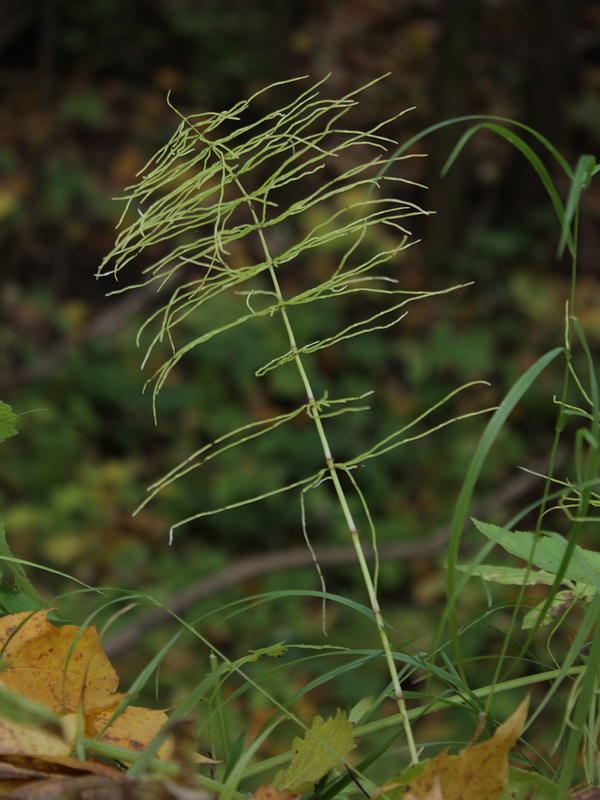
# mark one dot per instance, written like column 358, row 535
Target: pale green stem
column 339, row 490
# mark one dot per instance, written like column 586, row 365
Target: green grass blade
column 587, row 696
column 519, row 143
column 479, row 118
column 584, row 171
column 489, row 436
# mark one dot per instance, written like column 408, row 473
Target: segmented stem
column 341, row 496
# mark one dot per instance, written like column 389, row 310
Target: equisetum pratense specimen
column 202, row 193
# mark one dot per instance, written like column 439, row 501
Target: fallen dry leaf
column 98, row 787
column 18, row 629
column 65, row 669
column 62, row 667
column 267, row 792
column 591, row 793
column 17, row 738
column 87, row 787
column 477, row 772
column 63, row 778
column 53, row 765
column 47, row 778
column 435, row 793
column 133, row 729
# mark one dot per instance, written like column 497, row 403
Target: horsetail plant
column 236, row 177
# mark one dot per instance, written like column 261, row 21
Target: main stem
column 341, row 496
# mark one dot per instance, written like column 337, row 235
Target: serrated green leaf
column 324, row 746
column 509, row 575
column 525, row 785
column 273, row 651
column 548, row 553
column 8, row 419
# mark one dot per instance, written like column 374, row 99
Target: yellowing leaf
column 434, row 793
column 134, row 729
column 65, row 669
column 43, row 664
column 17, row 629
column 267, row 792
column 478, row 772
column 17, row 738
column 23, row 710
column 325, row 745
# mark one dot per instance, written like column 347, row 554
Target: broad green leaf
column 509, row 575
column 12, row 600
column 324, row 746
column 8, row 419
column 548, row 553
column 525, row 785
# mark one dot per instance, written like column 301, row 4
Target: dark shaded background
column 83, row 106
column 84, row 86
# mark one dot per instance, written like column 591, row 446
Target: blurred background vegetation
column 84, row 88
